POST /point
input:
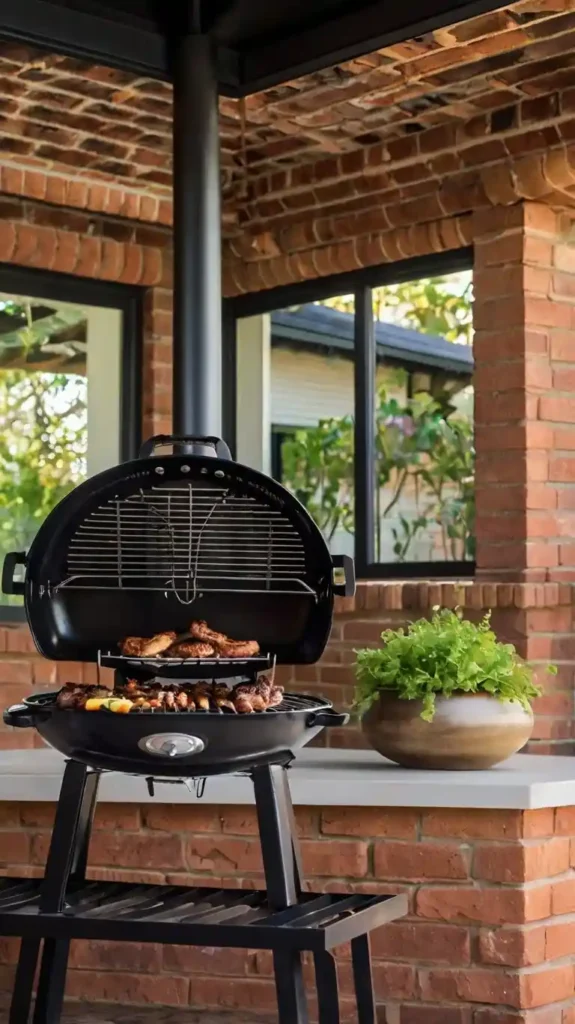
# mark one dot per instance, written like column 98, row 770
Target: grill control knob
column 171, row 744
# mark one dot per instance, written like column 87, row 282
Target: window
column 356, row 393
column 69, row 393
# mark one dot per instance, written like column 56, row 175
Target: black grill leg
column 52, row 982
column 290, row 988
column 327, row 988
column 24, row 981
column 280, row 852
column 66, row 862
column 363, row 980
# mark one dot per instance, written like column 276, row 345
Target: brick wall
column 489, row 938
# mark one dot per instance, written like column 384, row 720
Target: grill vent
column 187, row 538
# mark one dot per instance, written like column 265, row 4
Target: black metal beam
column 197, row 352
column 144, row 49
column 100, row 40
column 364, row 428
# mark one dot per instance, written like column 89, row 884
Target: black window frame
column 129, row 300
column 359, row 283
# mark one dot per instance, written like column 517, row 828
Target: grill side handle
column 346, row 566
column 191, row 445
column 18, row 716
column 328, row 718
column 9, row 584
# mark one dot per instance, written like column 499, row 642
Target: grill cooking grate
column 290, row 702
column 184, row 539
column 187, row 668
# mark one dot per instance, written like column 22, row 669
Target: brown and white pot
column 469, row 731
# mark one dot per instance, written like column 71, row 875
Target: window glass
column 423, row 465
column 59, row 407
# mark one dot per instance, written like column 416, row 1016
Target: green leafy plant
column 444, row 655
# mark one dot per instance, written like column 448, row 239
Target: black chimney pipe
column 197, row 346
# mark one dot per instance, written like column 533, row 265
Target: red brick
column 416, row 861
column 14, row 847
column 181, row 818
column 548, row 985
column 433, row 943
column 129, row 849
column 559, row 940
column 395, row 822
column 518, row 863
column 222, row 854
column 127, row 987
column 484, row 906
column 513, row 947
column 473, row 985
column 472, row 824
column 563, row 897
column 335, row 858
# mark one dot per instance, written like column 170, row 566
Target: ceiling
column 497, row 74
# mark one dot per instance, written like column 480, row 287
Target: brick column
column 524, row 315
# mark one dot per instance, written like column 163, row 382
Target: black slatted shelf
column 186, row 916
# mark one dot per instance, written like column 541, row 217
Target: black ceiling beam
column 100, row 40
column 262, row 64
column 366, row 29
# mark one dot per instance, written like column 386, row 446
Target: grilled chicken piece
column 73, row 696
column 191, row 649
column 238, row 648
column 225, row 647
column 243, row 705
column 201, row 631
column 132, row 646
column 221, row 702
column 276, row 696
column 156, row 646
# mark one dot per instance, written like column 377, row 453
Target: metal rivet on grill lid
column 159, row 470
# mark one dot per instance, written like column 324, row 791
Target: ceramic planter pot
column 469, row 731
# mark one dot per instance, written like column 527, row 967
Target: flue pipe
column 197, row 350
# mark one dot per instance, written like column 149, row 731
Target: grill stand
column 288, row 920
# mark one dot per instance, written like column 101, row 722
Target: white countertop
column 325, row 778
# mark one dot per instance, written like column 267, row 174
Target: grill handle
column 18, row 716
column 187, row 441
column 328, row 718
column 9, row 584
column 347, row 588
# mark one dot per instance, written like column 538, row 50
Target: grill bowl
column 137, row 743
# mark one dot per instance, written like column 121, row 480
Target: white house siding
column 307, row 387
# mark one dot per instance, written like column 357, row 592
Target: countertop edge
column 323, row 778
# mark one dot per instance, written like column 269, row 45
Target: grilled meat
column 191, row 649
column 276, row 696
column 147, row 647
column 238, row 649
column 202, row 642
column 157, row 645
column 225, row 647
column 73, row 696
column 132, row 646
column 243, row 698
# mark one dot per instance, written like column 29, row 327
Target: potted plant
column 445, row 693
